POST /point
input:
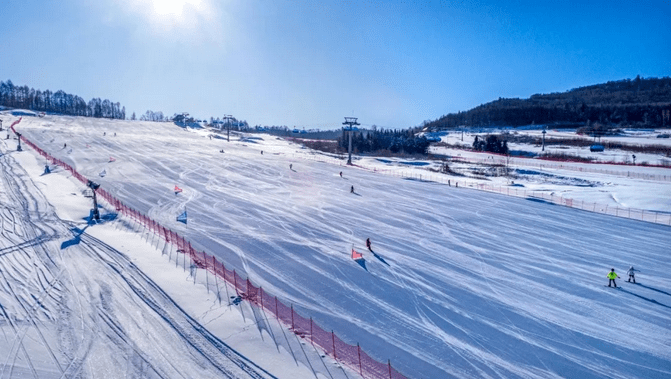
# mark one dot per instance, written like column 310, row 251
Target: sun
column 172, row 7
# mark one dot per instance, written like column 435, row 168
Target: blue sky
column 310, row 63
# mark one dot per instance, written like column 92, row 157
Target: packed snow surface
column 462, row 283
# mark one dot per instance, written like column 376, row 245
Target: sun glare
column 172, row 7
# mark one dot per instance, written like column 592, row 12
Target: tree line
column 642, row 103
column 394, row 141
column 58, row 102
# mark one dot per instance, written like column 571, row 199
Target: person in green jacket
column 611, row 277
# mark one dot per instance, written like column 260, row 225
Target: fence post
column 207, row 278
column 277, row 313
column 334, row 350
column 359, row 350
column 235, row 282
column 292, row 318
column 311, row 335
column 216, row 281
column 389, row 364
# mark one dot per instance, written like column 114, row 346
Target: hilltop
column 641, row 103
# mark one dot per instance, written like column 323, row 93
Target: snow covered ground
column 98, row 301
column 629, row 137
column 463, row 283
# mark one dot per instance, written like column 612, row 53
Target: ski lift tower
column 228, row 127
column 350, row 121
column 94, row 186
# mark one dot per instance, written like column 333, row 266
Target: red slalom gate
column 350, row 355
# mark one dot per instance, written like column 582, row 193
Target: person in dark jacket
column 368, row 244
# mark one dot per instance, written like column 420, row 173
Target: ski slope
column 462, row 283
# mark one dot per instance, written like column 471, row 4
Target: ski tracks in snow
column 69, row 296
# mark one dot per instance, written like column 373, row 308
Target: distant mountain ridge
column 642, row 103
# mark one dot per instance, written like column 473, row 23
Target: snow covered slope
column 462, row 283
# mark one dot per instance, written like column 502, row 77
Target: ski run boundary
column 352, row 356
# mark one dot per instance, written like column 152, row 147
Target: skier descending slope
column 611, row 277
column 631, row 272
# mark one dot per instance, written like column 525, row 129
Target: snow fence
column 350, row 355
column 663, row 218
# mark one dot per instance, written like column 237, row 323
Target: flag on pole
column 177, row 190
column 356, row 255
column 112, row 159
column 182, row 217
column 103, row 173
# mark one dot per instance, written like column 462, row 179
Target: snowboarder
column 611, row 277
column 351, row 190
column 261, row 152
column 104, row 133
column 291, row 166
column 65, row 145
column 631, row 272
column 368, row 244
column 341, row 174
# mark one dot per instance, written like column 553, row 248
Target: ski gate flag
column 356, row 255
column 182, row 217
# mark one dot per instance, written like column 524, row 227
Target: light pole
column 350, row 121
column 18, row 148
column 543, row 148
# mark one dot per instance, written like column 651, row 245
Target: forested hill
column 58, row 102
column 644, row 103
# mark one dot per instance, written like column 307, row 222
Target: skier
column 631, row 272
column 261, row 152
column 104, row 133
column 351, row 190
column 368, row 244
column 115, row 134
column 291, row 166
column 341, row 174
column 611, row 277
column 65, row 145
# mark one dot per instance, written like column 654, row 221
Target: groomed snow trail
column 462, row 283
column 73, row 307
